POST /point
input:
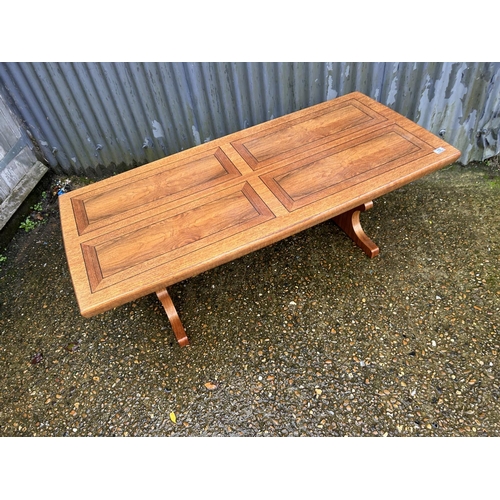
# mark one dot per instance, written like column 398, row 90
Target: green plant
column 28, row 225
column 2, row 258
column 36, row 217
column 493, row 163
column 495, row 183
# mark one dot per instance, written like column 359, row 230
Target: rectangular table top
column 153, row 226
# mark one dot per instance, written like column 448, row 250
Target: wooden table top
column 153, row 226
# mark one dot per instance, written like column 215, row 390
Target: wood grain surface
column 143, row 230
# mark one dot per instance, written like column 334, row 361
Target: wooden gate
column 19, row 169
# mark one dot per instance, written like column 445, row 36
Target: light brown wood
column 146, row 229
column 173, row 317
column 349, row 222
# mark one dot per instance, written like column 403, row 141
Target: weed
column 36, row 217
column 495, row 183
column 2, row 258
column 28, row 224
column 493, row 163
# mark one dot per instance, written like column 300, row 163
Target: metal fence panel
column 100, row 118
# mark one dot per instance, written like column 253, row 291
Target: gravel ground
column 307, row 337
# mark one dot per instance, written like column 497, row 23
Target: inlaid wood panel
column 340, row 168
column 172, row 234
column 312, row 129
column 99, row 207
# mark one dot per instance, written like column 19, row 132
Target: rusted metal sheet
column 100, row 118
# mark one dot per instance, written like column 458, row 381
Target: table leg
column 350, row 224
column 173, row 317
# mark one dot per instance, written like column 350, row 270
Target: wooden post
column 173, row 317
column 350, row 224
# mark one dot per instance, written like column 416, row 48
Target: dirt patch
column 307, row 337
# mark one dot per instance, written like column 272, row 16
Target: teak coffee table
column 141, row 231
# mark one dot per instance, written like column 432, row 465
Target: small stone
column 72, row 347
column 36, row 358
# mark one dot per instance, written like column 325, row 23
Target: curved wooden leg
column 350, row 224
column 173, row 317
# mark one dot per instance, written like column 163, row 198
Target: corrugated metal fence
column 96, row 119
